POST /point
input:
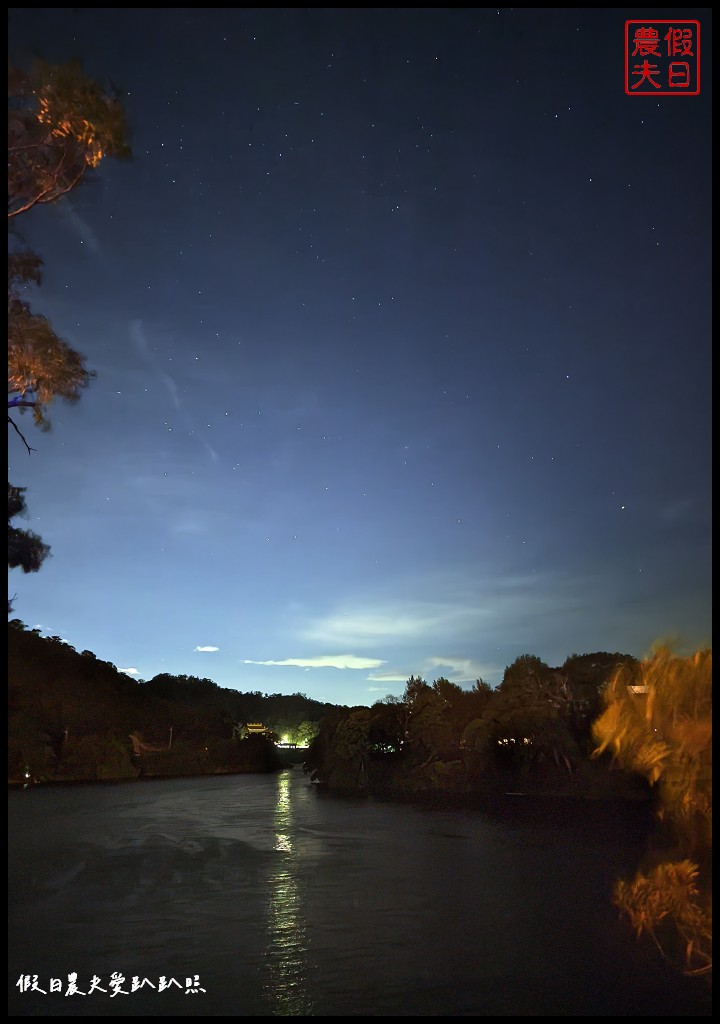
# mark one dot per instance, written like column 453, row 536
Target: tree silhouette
column 26, row 550
column 61, row 125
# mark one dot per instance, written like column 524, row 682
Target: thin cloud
column 324, row 661
column 211, row 452
column 139, row 339
column 388, row 677
column 207, row 648
column 463, row 614
column 130, row 671
column 78, row 224
column 190, row 524
column 684, row 511
column 457, row 670
column 367, row 627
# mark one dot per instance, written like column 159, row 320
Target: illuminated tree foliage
column 41, row 366
column 668, row 897
column 658, row 722
column 60, row 125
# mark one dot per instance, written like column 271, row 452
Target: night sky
column 401, row 320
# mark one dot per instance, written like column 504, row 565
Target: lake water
column 278, row 901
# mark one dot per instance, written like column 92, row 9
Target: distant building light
column 257, row 729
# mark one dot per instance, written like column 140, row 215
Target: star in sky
column 401, row 324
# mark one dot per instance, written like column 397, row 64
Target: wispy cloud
column 140, row 341
column 130, row 671
column 466, row 629
column 211, row 451
column 388, row 677
column 398, row 621
column 457, row 670
column 79, row 224
column 207, row 648
column 684, row 511
column 191, row 524
column 172, row 390
column 324, row 661
column 460, row 615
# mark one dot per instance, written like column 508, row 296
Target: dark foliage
column 71, row 716
column 26, row 550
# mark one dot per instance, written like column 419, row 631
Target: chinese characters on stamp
column 662, row 57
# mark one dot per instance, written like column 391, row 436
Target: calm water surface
column 279, row 902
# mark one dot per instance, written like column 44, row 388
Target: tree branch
column 17, row 430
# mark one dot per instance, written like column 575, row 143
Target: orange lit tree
column 61, row 124
column 657, row 721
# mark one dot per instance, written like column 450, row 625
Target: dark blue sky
column 401, row 321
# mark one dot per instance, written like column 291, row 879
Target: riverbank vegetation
column 73, row 717
column 532, row 733
column 601, row 727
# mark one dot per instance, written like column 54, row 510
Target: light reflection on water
column 289, row 904
column 288, row 953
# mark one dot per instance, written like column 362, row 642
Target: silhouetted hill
column 71, row 715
